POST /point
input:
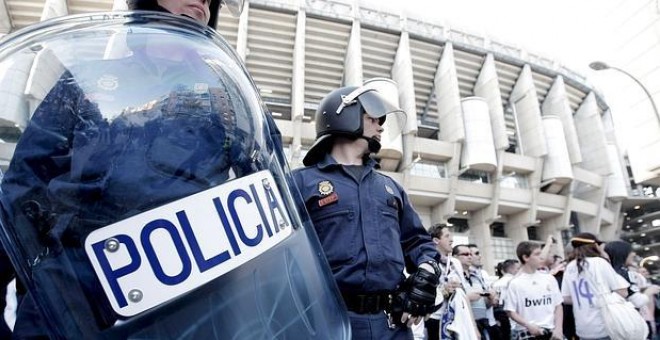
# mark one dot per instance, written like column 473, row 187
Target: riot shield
column 148, row 195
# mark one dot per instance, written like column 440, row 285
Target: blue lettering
column 231, row 200
column 261, row 210
column 225, row 224
column 114, row 275
column 274, row 204
column 581, row 289
column 153, row 259
column 202, row 263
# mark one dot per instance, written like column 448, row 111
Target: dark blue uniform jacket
column 367, row 226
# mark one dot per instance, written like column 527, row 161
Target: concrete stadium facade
column 549, row 166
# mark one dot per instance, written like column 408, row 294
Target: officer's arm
column 416, row 242
column 43, row 152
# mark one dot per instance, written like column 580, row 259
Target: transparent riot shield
column 148, row 195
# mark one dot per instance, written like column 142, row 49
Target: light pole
column 599, row 65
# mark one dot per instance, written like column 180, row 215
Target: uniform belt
column 370, row 303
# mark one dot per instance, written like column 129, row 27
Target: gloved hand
column 417, row 294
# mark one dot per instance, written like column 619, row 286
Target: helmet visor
column 377, row 106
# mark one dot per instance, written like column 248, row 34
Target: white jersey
column 534, row 297
column 588, row 320
column 500, row 286
column 455, row 272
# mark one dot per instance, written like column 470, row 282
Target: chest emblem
column 326, row 188
column 108, row 82
column 389, row 189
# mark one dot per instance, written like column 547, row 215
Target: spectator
column 451, row 273
column 640, row 294
column 478, row 266
column 588, row 268
column 488, row 280
column 506, row 271
column 533, row 299
column 479, row 295
column 558, row 273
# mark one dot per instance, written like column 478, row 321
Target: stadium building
column 503, row 144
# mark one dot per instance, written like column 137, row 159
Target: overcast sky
column 569, row 31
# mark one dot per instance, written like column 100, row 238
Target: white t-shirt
column 534, row 297
column 588, row 320
column 500, row 286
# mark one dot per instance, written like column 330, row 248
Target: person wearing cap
column 364, row 219
column 586, row 269
column 84, row 166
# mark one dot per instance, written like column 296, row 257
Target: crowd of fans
column 540, row 295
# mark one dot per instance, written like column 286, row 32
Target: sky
column 572, row 32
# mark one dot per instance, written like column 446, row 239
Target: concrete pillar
column 445, row 210
column 479, row 223
column 448, row 97
column 353, row 62
column 591, row 133
column 13, row 79
column 557, row 165
column 478, row 148
column 5, row 19
column 528, row 114
column 54, row 9
column 488, row 88
column 242, row 34
column 402, row 74
column 516, row 227
column 44, row 73
column 119, row 5
column 556, row 103
column 617, row 189
column 298, row 85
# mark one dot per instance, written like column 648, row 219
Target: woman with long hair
column 589, row 267
column 640, row 294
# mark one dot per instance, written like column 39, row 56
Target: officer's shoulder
column 388, row 178
column 303, row 170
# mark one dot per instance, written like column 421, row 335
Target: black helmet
column 340, row 114
column 234, row 6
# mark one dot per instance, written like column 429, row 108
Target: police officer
column 111, row 140
column 364, row 219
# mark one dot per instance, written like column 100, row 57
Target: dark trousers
column 432, row 329
column 484, row 328
column 376, row 327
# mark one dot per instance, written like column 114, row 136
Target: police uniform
column 369, row 232
column 110, row 140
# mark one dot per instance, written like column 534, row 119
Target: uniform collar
column 329, row 162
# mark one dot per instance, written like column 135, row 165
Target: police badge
column 326, row 188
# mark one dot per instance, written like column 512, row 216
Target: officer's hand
column 410, row 320
column 421, row 289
